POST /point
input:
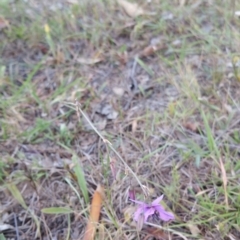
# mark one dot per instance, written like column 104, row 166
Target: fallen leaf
column 4, row 227
column 176, row 42
column 134, row 125
column 3, row 23
column 89, row 61
column 167, row 16
column 94, row 213
column 73, row 1
column 118, row 91
column 59, row 57
column 123, row 57
column 101, row 124
column 232, row 237
column 193, row 229
column 156, row 233
column 41, row 47
column 228, row 108
column 192, row 126
column 225, row 180
column 108, row 111
column 200, row 193
column 102, row 235
column 237, row 13
column 182, row 2
column 132, row 9
column 151, row 49
column 128, row 213
column 156, row 44
column 113, row 115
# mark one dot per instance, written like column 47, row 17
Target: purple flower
column 145, row 210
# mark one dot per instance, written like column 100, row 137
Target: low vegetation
column 138, row 99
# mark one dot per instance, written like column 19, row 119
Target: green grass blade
column 81, row 178
column 57, row 210
column 145, row 67
column 73, row 188
column 17, row 195
column 69, row 227
column 211, row 141
column 2, row 237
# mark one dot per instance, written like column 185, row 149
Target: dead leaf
column 192, row 126
column 118, row 91
column 232, row 237
column 94, row 213
column 176, row 42
column 3, row 23
column 156, row 44
column 113, row 115
column 122, row 57
column 4, row 227
column 200, row 193
column 41, row 47
column 193, row 229
column 182, row 2
column 73, row 1
column 225, row 180
column 134, row 125
column 128, row 213
column 156, row 233
column 228, row 108
column 167, row 16
column 151, row 49
column 59, row 57
column 89, row 61
column 102, row 235
column 101, row 124
column 132, row 9
column 108, row 111
column 237, row 13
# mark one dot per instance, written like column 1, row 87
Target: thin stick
column 16, row 226
column 79, row 110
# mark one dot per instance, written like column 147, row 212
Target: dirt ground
column 159, row 81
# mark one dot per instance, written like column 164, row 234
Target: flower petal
column 140, row 211
column 140, row 222
column 138, row 202
column 164, row 215
column 148, row 212
column 158, row 200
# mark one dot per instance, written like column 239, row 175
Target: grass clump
column 157, row 113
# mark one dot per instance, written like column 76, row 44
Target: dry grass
column 161, row 88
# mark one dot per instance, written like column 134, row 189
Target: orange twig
column 94, row 213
